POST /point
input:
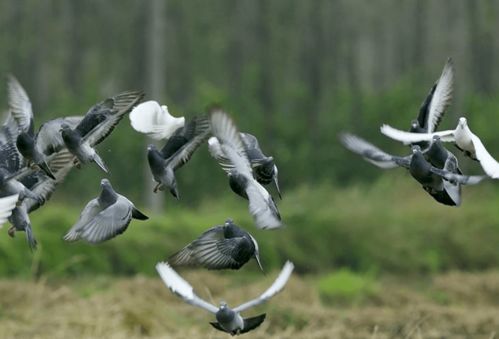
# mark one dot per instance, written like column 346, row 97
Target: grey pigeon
column 264, row 168
column 43, row 187
column 96, row 125
column 177, row 151
column 231, row 154
column 430, row 177
column 219, row 247
column 228, row 319
column 104, row 217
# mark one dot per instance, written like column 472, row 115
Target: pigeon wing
column 19, row 104
column 368, row 151
column 458, row 178
column 121, row 104
column 186, row 256
column 49, row 138
column 88, row 213
column 182, row 288
column 196, row 132
column 7, row 204
column 275, row 288
column 488, row 163
column 262, row 206
column 410, row 138
column 441, row 98
column 217, row 153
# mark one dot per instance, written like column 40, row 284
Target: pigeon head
column 223, row 305
column 25, row 144
column 415, row 124
column 416, row 149
column 229, row 222
column 151, row 147
column 64, row 128
column 462, row 122
column 107, row 196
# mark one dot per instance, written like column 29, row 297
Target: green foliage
column 346, row 287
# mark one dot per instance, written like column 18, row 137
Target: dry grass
column 454, row 305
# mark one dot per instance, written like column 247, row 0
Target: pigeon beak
column 174, row 192
column 257, row 257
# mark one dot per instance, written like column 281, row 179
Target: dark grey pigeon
column 177, row 151
column 435, row 104
column 430, row 177
column 231, row 154
column 219, row 247
column 228, row 319
column 43, row 187
column 264, row 168
column 104, row 217
column 96, row 125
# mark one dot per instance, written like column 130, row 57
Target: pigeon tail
column 46, row 169
column 30, row 237
column 136, row 214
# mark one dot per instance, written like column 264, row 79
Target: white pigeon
column 7, row 204
column 228, row 319
column 462, row 136
column 154, row 120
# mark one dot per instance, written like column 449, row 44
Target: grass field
column 451, row 305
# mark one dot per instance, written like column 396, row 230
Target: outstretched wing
column 118, row 106
column 276, row 287
column 19, row 104
column 488, row 163
column 441, row 97
column 7, row 204
column 372, row 153
column 458, row 178
column 410, row 138
column 182, row 288
column 195, row 131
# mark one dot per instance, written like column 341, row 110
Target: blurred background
column 293, row 73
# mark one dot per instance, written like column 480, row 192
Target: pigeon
column 219, row 247
column 9, row 185
column 262, row 206
column 104, row 217
column 154, row 120
column 43, row 187
column 177, row 151
column 464, row 139
column 96, row 125
column 430, row 177
column 228, row 319
column 264, row 169
column 22, row 113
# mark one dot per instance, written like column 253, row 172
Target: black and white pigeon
column 219, row 247
column 228, row 319
column 43, row 187
column 464, row 139
column 234, row 160
column 264, row 168
column 177, row 151
column 435, row 104
column 96, row 125
column 154, row 120
column 22, row 112
column 104, row 217
column 430, row 177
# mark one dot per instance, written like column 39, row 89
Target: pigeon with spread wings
column 177, row 151
column 232, row 156
column 228, row 319
column 96, row 125
column 219, row 247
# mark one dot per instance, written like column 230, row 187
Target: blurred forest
column 293, row 73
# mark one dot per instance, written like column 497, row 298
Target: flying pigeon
column 463, row 138
column 104, row 217
column 177, row 151
column 237, row 165
column 430, row 177
column 154, row 120
column 219, row 247
column 264, row 168
column 96, row 125
column 228, row 319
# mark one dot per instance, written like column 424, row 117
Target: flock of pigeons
column 32, row 164
column 430, row 163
